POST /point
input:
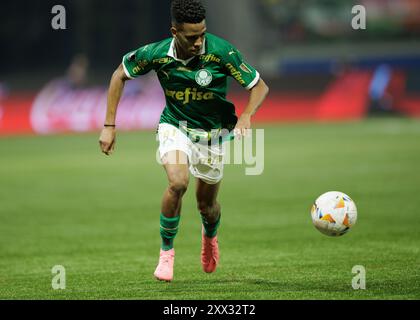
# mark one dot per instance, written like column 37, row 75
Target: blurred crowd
column 300, row 20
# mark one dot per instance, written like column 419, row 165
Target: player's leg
column 175, row 164
column 209, row 208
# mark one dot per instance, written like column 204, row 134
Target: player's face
column 190, row 37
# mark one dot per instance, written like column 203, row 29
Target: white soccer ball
column 334, row 213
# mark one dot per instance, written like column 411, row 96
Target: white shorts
column 205, row 161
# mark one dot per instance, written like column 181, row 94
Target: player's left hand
column 243, row 126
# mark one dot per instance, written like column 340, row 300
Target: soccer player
column 192, row 67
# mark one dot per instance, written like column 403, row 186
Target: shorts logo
column 203, row 77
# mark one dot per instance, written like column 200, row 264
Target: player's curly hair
column 187, row 11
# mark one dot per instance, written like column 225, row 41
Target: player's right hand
column 107, row 140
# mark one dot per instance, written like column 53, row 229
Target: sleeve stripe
column 254, row 82
column 126, row 71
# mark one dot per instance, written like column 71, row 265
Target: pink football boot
column 209, row 253
column 165, row 269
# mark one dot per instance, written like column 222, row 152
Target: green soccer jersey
column 195, row 89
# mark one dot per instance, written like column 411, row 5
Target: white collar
column 172, row 52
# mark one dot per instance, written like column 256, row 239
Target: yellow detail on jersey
column 140, row 66
column 162, row 60
column 235, row 73
column 189, row 94
column 210, row 57
column 183, row 69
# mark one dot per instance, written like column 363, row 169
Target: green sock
column 168, row 231
column 210, row 229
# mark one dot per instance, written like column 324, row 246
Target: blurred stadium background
column 341, row 114
column 318, row 67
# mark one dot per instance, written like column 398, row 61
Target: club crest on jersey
column 203, row 77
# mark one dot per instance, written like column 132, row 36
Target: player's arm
column 134, row 64
column 116, row 87
column 257, row 95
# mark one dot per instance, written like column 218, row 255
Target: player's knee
column 179, row 186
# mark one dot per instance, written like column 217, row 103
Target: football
column 334, row 213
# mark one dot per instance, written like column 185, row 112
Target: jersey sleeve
column 240, row 70
column 138, row 62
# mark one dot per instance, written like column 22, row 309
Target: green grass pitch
column 64, row 203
